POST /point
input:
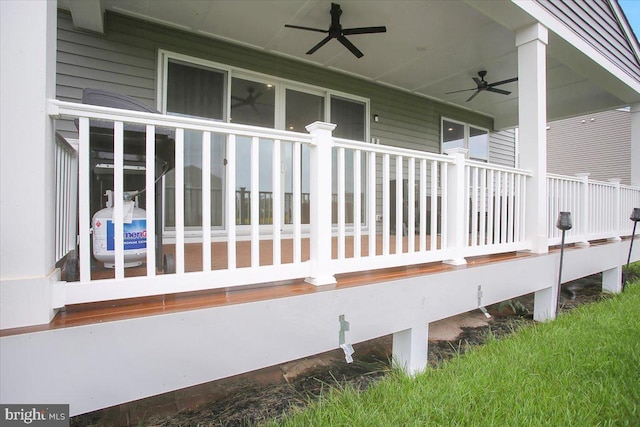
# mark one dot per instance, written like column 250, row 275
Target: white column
column 635, row 144
column 456, row 211
column 320, row 204
column 612, row 280
column 532, row 118
column 27, row 156
column 544, row 304
column 410, row 349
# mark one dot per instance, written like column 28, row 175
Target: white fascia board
column 558, row 27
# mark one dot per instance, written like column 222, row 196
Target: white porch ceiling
column 431, row 47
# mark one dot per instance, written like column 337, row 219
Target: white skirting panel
column 100, row 365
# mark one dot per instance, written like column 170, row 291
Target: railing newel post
column 320, row 204
column 456, row 206
column 583, row 226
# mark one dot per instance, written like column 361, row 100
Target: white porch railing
column 355, row 206
column 600, row 210
column 66, row 202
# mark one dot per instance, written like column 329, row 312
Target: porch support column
column 612, row 280
column 532, row 118
column 410, row 349
column 27, row 162
column 635, row 145
column 320, row 204
column 544, row 304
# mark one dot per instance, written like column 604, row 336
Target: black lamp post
column 635, row 217
column 564, row 224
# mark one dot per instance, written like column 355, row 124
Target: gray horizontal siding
column 599, row 144
column 502, row 147
column 595, row 22
column 124, row 59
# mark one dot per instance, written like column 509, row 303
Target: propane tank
column 135, row 234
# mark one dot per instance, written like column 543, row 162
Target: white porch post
column 410, row 349
column 532, row 118
column 612, row 280
column 320, row 209
column 27, row 171
column 635, row 145
column 456, row 233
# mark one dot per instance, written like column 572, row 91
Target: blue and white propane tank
column 135, row 233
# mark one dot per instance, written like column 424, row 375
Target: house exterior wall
column 599, row 144
column 124, row 60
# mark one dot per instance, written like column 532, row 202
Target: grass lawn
column 582, row 369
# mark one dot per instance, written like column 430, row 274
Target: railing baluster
column 297, row 202
column 340, row 202
column 386, row 205
column 399, row 205
column 84, row 200
column 255, row 201
column 276, row 205
column 179, row 202
column 206, row 201
column 230, row 191
column 150, row 193
column 411, row 214
column 433, row 229
column 118, row 195
column 371, row 202
column 357, row 204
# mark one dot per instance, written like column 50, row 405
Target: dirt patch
column 249, row 402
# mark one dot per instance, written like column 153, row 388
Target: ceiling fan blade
column 478, row 81
column 237, row 98
column 364, row 30
column 502, row 82
column 473, row 96
column 503, row 92
column 306, row 28
column 319, row 45
column 463, row 90
column 350, row 46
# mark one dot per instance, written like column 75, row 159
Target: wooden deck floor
column 84, row 314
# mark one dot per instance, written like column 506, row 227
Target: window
column 198, row 88
column 462, row 135
column 349, row 116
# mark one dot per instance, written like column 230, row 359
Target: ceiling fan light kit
column 483, row 85
column 336, row 31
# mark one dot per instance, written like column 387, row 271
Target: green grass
column 582, row 369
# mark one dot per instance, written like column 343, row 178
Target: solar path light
column 635, row 217
column 564, row 224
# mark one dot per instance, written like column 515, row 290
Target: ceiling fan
column 482, row 84
column 336, row 31
column 250, row 100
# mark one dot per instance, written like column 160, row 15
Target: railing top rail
column 563, row 177
column 388, row 149
column 498, row 168
column 59, row 108
column 629, row 187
